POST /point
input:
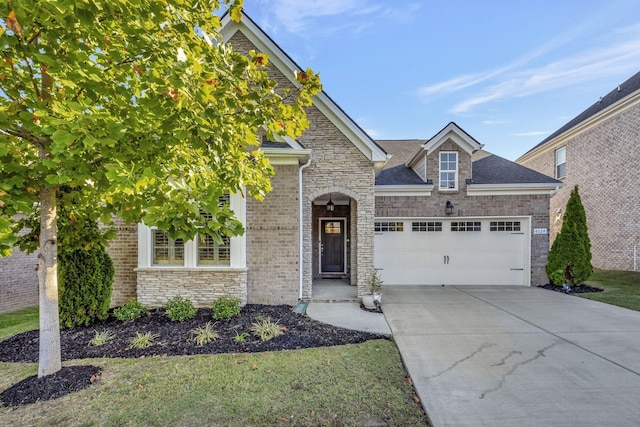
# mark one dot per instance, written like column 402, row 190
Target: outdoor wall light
column 330, row 206
column 449, row 208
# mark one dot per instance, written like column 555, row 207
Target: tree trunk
column 49, row 354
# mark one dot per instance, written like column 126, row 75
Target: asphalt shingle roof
column 622, row 91
column 494, row 169
column 487, row 167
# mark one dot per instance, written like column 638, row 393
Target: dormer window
column 448, row 170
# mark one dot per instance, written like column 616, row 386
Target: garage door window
column 389, row 226
column 504, row 226
column 426, row 226
column 466, row 226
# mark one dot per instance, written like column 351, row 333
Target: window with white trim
column 561, row 162
column 166, row 251
column 389, row 226
column 426, row 226
column 212, row 253
column 448, row 170
column 207, row 252
column 466, row 226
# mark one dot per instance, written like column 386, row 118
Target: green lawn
column 351, row 385
column 18, row 321
column 621, row 288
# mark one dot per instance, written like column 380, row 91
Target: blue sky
column 509, row 72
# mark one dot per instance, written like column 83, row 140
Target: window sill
column 156, row 268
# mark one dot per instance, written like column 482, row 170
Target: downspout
column 301, row 225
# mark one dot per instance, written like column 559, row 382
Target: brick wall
column 604, row 161
column 123, row 251
column 18, row 281
column 536, row 206
column 157, row 285
column 273, row 241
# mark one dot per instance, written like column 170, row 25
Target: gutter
column 300, row 225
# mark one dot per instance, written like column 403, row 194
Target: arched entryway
column 333, row 225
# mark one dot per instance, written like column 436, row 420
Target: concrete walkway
column 516, row 356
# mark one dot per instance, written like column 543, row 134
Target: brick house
column 599, row 150
column 436, row 212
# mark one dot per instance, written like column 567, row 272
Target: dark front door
column 332, row 246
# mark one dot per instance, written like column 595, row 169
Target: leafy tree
column 140, row 107
column 570, row 255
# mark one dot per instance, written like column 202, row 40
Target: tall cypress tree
column 570, row 255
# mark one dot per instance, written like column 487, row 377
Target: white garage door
column 460, row 251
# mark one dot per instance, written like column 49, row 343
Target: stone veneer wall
column 273, row 241
column 157, row 285
column 604, row 161
column 337, row 167
column 123, row 251
column 18, row 281
column 536, row 206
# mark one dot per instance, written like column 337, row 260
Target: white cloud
column 533, row 133
column 620, row 57
column 494, row 122
column 295, row 15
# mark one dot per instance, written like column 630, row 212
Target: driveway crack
column 515, row 367
column 457, row 362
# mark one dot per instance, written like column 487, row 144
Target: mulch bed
column 173, row 340
column 579, row 289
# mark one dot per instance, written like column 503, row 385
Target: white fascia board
column 404, row 190
column 286, row 66
column 560, row 140
column 286, row 156
column 512, row 189
column 457, row 135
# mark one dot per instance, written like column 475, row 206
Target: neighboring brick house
column 599, row 150
column 438, row 212
column 18, row 281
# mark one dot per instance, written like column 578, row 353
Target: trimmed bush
column 85, row 280
column 570, row 255
column 226, row 308
column 180, row 309
column 130, row 311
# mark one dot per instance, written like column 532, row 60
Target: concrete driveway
column 517, row 356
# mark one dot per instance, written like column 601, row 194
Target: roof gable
column 287, row 67
column 451, row 132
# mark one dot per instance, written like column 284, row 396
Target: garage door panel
column 482, row 257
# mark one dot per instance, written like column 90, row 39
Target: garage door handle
column 446, row 259
column 517, row 269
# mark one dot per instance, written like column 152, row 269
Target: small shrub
column 266, row 329
column 203, row 335
column 240, row 338
column 130, row 311
column 180, row 309
column 143, row 340
column 101, row 338
column 375, row 282
column 226, row 308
